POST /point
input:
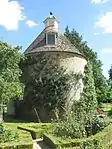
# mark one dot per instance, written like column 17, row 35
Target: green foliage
column 7, row 135
column 59, row 143
column 48, row 87
column 110, row 73
column 96, row 125
column 101, row 85
column 69, row 129
column 19, row 145
column 106, row 107
column 10, row 85
column 23, row 137
column 89, row 93
column 83, row 110
column 24, row 140
column 37, row 130
column 101, row 140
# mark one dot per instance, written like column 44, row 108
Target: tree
column 10, row 86
column 85, row 108
column 75, row 126
column 110, row 84
column 89, row 93
column 110, row 73
column 100, row 82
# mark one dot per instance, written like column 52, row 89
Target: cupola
column 51, row 29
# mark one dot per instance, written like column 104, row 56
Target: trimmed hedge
column 102, row 140
column 24, row 141
column 56, row 142
column 37, row 130
column 71, row 148
column 19, row 145
column 43, row 130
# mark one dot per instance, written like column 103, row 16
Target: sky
column 22, row 20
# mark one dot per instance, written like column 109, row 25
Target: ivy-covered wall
column 52, row 82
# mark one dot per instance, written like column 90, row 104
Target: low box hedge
column 23, row 142
column 102, row 140
column 37, row 130
column 56, row 142
column 19, row 145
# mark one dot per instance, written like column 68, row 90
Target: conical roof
column 62, row 45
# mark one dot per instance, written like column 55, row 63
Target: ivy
column 75, row 125
column 49, row 86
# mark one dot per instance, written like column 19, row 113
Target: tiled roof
column 62, row 45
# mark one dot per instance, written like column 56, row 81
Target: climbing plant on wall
column 75, row 125
column 48, row 84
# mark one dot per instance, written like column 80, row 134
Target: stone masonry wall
column 70, row 62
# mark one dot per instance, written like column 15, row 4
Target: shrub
column 82, row 111
column 91, row 144
column 7, row 135
column 101, row 140
column 24, row 140
column 96, row 125
column 17, row 146
column 69, row 129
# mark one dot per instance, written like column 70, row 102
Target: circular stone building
column 58, row 50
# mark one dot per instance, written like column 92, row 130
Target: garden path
column 39, row 144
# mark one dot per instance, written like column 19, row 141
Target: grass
column 104, row 137
column 24, row 137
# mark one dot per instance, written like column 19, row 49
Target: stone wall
column 72, row 63
column 69, row 61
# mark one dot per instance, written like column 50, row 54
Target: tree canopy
column 10, row 86
column 110, row 73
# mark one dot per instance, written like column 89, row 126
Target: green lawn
column 24, row 137
column 104, row 137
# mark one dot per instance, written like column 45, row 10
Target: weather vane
column 51, row 13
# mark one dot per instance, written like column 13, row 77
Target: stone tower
column 59, row 51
